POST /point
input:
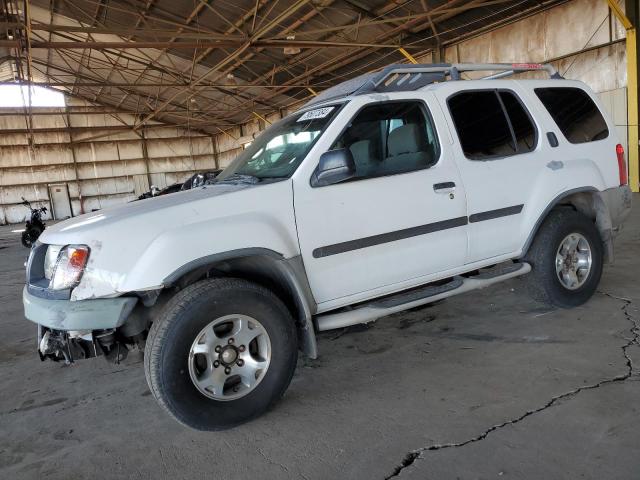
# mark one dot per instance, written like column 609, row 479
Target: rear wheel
column 566, row 258
column 222, row 352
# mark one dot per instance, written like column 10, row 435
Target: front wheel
column 30, row 235
column 221, row 353
column 566, row 259
column 26, row 239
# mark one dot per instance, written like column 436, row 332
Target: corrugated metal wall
column 100, row 169
column 104, row 167
column 101, row 159
column 581, row 38
column 556, row 35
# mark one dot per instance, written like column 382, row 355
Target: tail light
column 622, row 165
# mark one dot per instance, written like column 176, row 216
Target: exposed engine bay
column 69, row 346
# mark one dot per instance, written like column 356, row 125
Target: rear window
column 574, row 112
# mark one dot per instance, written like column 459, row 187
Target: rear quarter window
column 576, row 115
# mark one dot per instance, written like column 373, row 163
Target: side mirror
column 335, row 166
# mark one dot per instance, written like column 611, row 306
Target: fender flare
column 549, row 207
column 288, row 273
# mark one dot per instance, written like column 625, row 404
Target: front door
column 400, row 219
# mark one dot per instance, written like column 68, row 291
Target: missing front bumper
column 69, row 346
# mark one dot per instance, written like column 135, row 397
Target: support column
column 632, row 85
column 632, row 10
column 214, row 149
column 145, row 155
column 75, row 163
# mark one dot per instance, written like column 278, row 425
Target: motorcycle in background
column 34, row 226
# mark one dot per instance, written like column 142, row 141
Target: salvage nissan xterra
column 387, row 192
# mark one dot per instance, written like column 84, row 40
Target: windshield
column 280, row 149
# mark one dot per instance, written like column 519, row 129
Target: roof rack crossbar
column 508, row 68
column 398, row 77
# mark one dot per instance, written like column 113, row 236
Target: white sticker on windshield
column 317, row 113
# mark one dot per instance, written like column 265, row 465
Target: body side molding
column 396, row 235
column 491, row 214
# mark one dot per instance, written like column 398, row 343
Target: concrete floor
column 485, row 385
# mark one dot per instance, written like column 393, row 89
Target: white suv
column 387, row 192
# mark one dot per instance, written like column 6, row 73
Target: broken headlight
column 50, row 260
column 63, row 266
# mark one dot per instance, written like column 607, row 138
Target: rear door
column 400, row 219
column 498, row 153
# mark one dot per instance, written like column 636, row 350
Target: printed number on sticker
column 317, row 113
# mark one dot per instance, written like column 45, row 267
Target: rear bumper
column 98, row 314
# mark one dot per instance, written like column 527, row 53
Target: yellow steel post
column 407, row 55
column 632, row 82
column 260, row 117
column 632, row 95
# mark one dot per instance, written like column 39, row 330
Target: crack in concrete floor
column 411, row 457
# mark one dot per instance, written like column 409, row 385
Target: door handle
column 444, row 187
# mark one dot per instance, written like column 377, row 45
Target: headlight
column 63, row 266
column 50, row 260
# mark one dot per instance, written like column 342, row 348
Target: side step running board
column 414, row 298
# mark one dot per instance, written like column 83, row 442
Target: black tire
column 30, row 236
column 35, row 233
column 26, row 239
column 172, row 334
column 543, row 283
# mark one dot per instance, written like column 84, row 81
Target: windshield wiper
column 273, row 178
column 239, row 178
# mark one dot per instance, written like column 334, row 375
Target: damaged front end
column 70, row 330
column 69, row 346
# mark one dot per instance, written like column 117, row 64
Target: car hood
column 71, row 228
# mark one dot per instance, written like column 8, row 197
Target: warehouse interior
column 154, row 92
column 141, row 95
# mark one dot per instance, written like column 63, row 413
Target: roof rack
column 393, row 77
column 407, row 77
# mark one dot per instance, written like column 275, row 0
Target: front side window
column 577, row 117
column 280, row 149
column 390, row 138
